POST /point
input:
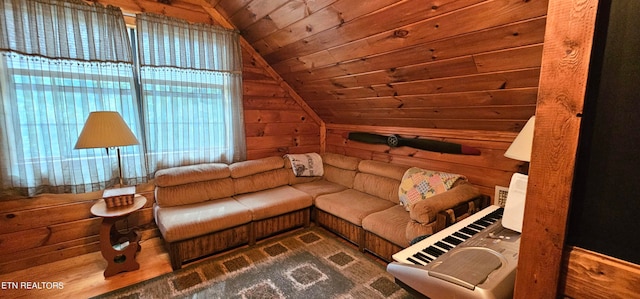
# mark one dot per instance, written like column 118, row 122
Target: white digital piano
column 473, row 258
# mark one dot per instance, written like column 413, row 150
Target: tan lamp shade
column 104, row 129
column 520, row 149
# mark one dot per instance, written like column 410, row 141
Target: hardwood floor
column 82, row 276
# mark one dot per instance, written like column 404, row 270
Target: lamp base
column 119, row 197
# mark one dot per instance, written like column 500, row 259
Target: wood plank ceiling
column 449, row 64
column 455, row 64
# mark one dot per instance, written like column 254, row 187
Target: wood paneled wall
column 275, row 123
column 485, row 171
column 49, row 228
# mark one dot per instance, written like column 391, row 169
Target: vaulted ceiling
column 453, row 64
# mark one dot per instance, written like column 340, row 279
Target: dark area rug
column 307, row 263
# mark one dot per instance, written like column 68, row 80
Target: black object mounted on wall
column 423, row 144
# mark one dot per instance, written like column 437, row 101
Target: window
column 191, row 85
column 182, row 114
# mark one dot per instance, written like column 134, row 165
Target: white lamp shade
column 520, row 149
column 105, row 129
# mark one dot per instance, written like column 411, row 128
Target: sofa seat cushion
column 274, row 202
column 188, row 221
column 318, row 188
column 351, row 205
column 389, row 224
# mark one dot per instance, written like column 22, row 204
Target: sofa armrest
column 446, row 218
column 425, row 211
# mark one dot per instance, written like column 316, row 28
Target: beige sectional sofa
column 207, row 208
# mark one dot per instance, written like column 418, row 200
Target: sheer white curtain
column 59, row 61
column 191, row 82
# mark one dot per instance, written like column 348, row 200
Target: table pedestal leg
column 118, row 259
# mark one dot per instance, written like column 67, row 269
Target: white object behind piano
column 514, row 208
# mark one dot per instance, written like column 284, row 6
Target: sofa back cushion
column 192, row 184
column 194, row 192
column 249, row 167
column 261, row 181
column 379, row 179
column 340, row 169
column 260, row 174
column 191, row 174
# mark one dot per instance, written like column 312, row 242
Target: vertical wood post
column 565, row 67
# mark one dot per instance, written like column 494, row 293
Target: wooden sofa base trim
column 380, row 247
column 191, row 249
column 271, row 226
column 201, row 246
column 341, row 227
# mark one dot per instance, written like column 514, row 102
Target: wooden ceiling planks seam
column 282, row 17
column 460, row 66
column 344, row 47
column 472, row 63
column 504, row 97
column 512, row 35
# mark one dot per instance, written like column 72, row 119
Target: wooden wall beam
column 565, row 67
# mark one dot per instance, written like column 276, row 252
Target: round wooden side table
column 117, row 248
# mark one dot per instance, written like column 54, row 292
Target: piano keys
column 437, row 244
column 473, row 258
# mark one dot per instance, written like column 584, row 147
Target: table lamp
column 107, row 129
column 520, row 149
